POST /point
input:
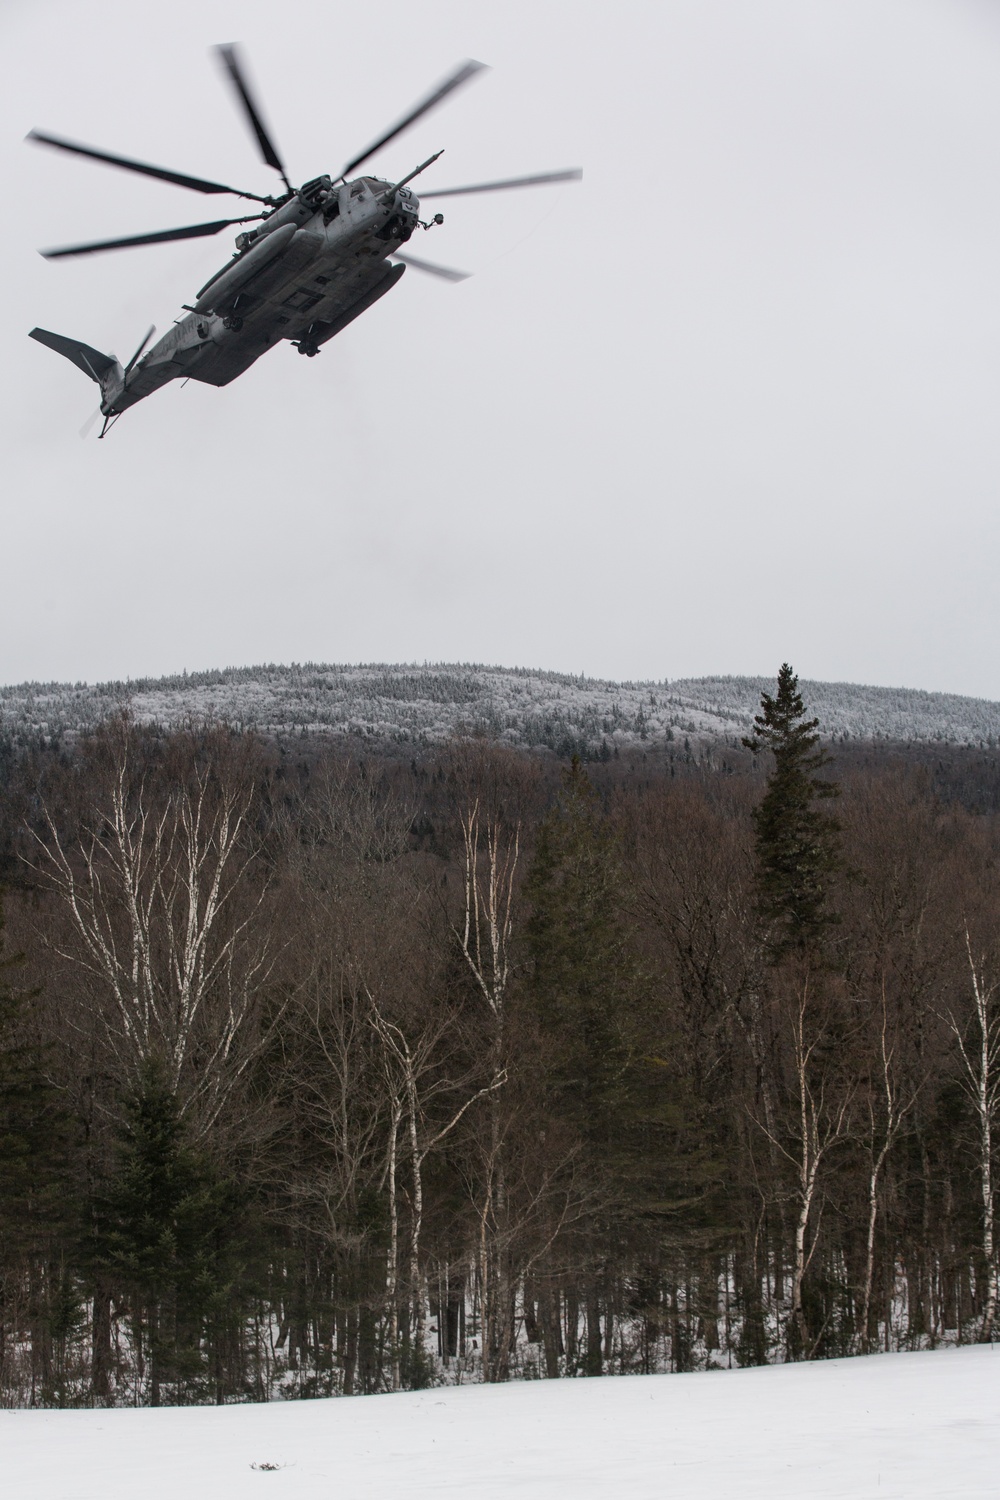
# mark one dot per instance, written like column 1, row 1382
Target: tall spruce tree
column 583, row 976
column 37, row 1201
column 610, row 1057
column 797, row 842
column 168, row 1235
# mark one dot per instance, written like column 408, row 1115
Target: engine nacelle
column 223, row 287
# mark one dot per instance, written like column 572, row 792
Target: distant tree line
column 322, row 1075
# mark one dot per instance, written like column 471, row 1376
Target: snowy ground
column 906, row 1425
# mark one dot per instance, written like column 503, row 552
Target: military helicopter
column 322, row 255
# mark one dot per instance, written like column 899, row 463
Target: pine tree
column 797, row 843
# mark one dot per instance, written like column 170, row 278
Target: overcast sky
column 732, row 399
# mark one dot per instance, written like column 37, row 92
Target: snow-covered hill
column 888, row 1427
column 420, row 705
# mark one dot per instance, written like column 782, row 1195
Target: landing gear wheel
column 235, row 324
column 308, row 348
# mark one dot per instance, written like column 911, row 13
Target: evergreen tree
column 797, row 842
column 611, row 1060
column 36, row 1198
column 583, row 976
column 168, row 1232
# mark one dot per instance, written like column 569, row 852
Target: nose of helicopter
column 399, row 211
column 401, row 201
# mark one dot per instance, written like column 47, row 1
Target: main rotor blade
column 231, row 62
column 199, row 184
column 445, row 272
column 189, row 232
column 461, row 75
column 574, row 174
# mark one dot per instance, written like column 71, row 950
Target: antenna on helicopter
column 387, row 196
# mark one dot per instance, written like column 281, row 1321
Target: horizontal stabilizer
column 91, row 361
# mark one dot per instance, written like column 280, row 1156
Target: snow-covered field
column 894, row 1425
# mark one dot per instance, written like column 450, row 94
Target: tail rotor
column 129, row 367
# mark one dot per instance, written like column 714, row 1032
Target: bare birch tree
column 978, row 1041
column 485, row 931
column 819, row 1119
column 887, row 1104
column 165, row 899
column 486, row 925
column 416, row 1081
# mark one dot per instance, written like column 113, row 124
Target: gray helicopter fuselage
column 322, row 255
column 312, row 267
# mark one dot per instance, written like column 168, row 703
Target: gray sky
column 733, row 399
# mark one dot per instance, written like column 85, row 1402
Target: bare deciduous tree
column 819, row 1118
column 413, row 1066
column 486, row 926
column 887, row 1104
column 978, row 1041
column 165, row 899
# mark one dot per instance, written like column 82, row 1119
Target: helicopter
column 322, row 254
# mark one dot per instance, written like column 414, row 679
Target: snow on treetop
column 409, row 704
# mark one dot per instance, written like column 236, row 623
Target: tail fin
column 103, row 368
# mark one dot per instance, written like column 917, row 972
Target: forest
column 330, row 1072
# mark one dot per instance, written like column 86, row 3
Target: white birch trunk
column 821, row 1125
column 980, row 1057
column 392, row 1278
column 150, row 890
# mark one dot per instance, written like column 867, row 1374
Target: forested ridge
column 323, row 1074
column 420, row 706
